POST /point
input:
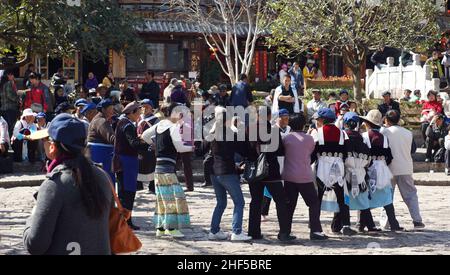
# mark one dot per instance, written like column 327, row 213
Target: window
column 156, row 56
column 160, row 57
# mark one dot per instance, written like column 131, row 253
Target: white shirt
column 400, row 142
column 4, row 133
column 162, row 126
column 314, row 106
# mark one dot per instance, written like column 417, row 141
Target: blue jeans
column 231, row 184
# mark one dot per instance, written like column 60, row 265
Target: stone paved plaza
column 16, row 205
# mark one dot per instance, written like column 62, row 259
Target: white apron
column 330, row 168
column 379, row 172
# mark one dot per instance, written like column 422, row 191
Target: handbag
column 121, row 237
column 256, row 171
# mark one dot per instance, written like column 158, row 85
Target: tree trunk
column 357, row 89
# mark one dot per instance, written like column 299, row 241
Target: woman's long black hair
column 4, row 79
column 92, row 194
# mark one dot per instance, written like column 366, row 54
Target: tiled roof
column 166, row 26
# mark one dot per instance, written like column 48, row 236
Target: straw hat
column 374, row 117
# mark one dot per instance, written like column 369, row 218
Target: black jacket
column 150, row 90
column 384, row 108
column 223, row 153
column 271, row 157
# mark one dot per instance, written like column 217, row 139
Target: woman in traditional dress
column 380, row 177
column 171, row 213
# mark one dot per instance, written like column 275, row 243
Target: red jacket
column 432, row 105
column 36, row 95
column 339, row 105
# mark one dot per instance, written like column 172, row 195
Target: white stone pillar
column 416, row 60
column 390, row 61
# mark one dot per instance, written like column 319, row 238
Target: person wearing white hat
column 380, row 177
column 308, row 71
column 24, row 149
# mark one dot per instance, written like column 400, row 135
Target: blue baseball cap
column 351, row 116
column 283, row 112
column 65, row 129
column 88, row 107
column 326, row 113
column 41, row 115
column 68, row 130
column 147, row 102
column 104, row 104
column 81, row 102
column 343, row 92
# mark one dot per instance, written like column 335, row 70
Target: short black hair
column 151, row 73
column 297, row 122
column 243, row 77
column 351, row 124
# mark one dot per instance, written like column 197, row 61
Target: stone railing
column 397, row 79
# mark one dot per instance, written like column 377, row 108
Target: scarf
column 57, row 161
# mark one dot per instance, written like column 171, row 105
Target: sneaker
column 240, row 237
column 446, row 172
column 174, row 233
column 286, row 237
column 219, row 236
column 347, row 231
column 418, row 225
column 427, row 160
column 317, row 236
column 160, row 233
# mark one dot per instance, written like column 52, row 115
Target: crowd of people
column 337, row 158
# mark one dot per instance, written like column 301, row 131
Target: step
column 35, row 179
column 21, row 180
column 424, row 167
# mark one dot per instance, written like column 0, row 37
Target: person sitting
column 315, row 104
column 24, row 149
column 41, row 123
column 430, row 108
column 4, row 138
column 388, row 104
column 416, row 96
column 447, row 152
column 406, row 96
column 435, row 134
column 342, row 102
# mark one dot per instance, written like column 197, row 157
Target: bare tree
column 223, row 24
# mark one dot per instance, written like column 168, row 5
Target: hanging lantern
column 213, row 53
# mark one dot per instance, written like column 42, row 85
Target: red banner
column 257, row 64
column 266, row 65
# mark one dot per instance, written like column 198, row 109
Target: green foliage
column 351, row 28
column 52, row 27
column 210, row 75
